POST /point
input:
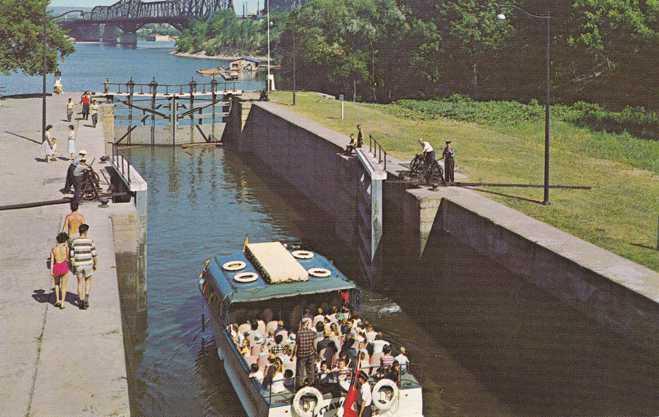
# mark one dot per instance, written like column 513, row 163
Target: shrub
column 634, row 120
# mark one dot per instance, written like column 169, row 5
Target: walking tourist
column 84, row 262
column 449, row 162
column 59, row 268
column 69, row 109
column 84, row 100
column 428, row 152
column 49, row 144
column 73, row 220
column 305, row 353
column 93, row 110
column 72, row 142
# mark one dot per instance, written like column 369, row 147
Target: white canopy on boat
column 275, row 262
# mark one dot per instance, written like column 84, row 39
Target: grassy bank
column 619, row 213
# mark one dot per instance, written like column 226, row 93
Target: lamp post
column 46, row 20
column 267, row 6
column 547, row 19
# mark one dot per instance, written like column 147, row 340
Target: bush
column 634, row 120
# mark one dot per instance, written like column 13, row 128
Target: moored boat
column 256, row 299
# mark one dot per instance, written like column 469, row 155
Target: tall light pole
column 268, row 22
column 547, row 19
column 46, row 20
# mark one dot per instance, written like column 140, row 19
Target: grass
column 620, row 213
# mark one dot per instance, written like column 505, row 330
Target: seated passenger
column 370, row 333
column 245, row 348
column 272, row 327
column 245, row 328
column 278, row 345
column 255, row 336
column 326, row 377
column 343, row 372
column 319, row 317
column 256, row 373
column 387, row 359
column 394, row 373
column 278, row 378
column 289, row 379
column 403, row 359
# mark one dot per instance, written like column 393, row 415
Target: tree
column 21, row 37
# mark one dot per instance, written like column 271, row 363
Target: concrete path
column 54, row 362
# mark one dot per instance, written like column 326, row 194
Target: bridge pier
column 110, row 34
column 128, row 39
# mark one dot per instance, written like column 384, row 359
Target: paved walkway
column 54, row 362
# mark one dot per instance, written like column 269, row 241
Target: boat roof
column 261, row 290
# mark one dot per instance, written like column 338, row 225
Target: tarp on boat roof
column 275, row 263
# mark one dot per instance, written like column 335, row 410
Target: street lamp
column 267, row 7
column 45, row 67
column 547, row 19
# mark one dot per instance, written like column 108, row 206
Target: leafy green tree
column 21, row 37
column 471, row 37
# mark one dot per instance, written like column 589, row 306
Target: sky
column 238, row 4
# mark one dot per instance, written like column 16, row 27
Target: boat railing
column 284, row 397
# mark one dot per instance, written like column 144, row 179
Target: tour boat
column 284, row 281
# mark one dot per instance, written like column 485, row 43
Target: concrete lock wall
column 311, row 163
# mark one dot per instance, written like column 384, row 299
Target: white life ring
column 382, row 401
column 234, row 265
column 302, row 254
column 319, row 272
column 245, row 277
column 305, row 408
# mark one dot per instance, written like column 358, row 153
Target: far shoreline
column 202, row 55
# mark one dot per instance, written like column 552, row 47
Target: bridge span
column 127, row 16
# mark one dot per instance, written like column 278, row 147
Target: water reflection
column 489, row 343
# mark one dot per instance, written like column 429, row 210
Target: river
column 92, row 63
column 488, row 342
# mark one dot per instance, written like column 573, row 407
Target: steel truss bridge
column 130, row 15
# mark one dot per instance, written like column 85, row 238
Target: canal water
column 488, row 343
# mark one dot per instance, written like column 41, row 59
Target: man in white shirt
column 403, row 359
column 428, row 151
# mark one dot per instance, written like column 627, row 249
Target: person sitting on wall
column 351, row 146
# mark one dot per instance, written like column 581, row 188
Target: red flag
column 350, row 403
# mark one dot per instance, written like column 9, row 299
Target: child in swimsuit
column 59, row 269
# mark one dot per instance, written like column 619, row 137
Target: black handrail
column 377, row 151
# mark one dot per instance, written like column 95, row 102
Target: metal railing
column 377, row 151
column 154, row 88
column 120, row 163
